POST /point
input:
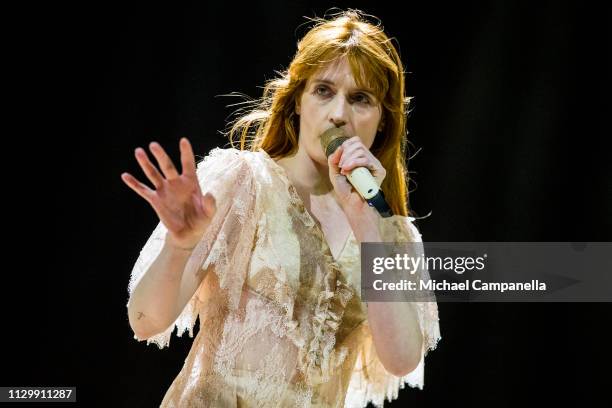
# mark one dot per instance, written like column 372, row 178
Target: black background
column 507, row 124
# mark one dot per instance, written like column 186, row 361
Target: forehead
column 340, row 73
column 339, row 70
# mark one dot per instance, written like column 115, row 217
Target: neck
column 308, row 176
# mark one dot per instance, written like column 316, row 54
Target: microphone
column 360, row 177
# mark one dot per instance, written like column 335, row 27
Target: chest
column 293, row 242
column 333, row 223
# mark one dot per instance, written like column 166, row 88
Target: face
column 331, row 98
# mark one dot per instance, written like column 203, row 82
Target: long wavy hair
column 270, row 123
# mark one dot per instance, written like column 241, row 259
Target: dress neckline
column 297, row 199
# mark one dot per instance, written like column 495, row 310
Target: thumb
column 209, row 204
column 334, row 159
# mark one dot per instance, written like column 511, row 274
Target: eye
column 362, row 98
column 321, row 90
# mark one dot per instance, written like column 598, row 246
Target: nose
column 338, row 111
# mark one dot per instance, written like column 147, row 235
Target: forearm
column 395, row 327
column 396, row 335
column 153, row 304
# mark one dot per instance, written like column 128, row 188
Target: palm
column 177, row 198
column 175, row 204
column 347, row 193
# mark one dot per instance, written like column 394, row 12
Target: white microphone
column 360, row 177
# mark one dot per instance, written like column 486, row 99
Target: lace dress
column 281, row 321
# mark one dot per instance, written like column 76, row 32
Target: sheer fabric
column 281, row 321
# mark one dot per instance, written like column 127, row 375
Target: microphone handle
column 364, row 182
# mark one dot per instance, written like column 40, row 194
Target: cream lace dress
column 281, row 321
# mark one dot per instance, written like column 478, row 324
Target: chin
column 319, row 158
column 317, row 155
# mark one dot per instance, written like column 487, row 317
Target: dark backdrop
column 507, row 119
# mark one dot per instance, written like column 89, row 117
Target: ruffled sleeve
column 227, row 175
column 370, row 381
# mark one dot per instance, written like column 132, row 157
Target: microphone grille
column 331, row 139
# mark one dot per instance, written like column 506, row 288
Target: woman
column 262, row 243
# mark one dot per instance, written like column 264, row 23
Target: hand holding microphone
column 353, row 164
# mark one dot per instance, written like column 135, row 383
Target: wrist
column 365, row 224
column 174, row 248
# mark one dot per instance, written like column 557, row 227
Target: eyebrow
column 327, row 81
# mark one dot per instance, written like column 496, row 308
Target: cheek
column 370, row 127
column 310, row 142
column 315, row 151
column 368, row 134
column 307, row 132
column 368, row 140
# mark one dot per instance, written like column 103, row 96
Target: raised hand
column 176, row 198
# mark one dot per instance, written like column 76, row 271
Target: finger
column 163, row 160
column 351, row 141
column 342, row 185
column 349, row 162
column 149, row 169
column 187, row 157
column 353, row 150
column 205, row 205
column 197, row 203
column 209, row 204
column 332, row 163
column 360, row 161
column 140, row 189
column 377, row 170
column 334, row 159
